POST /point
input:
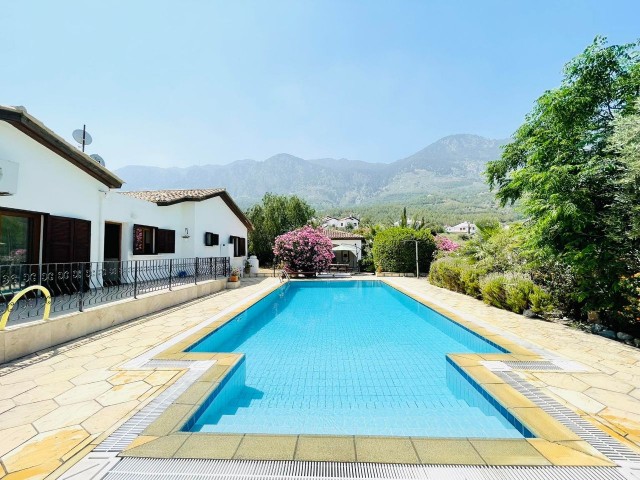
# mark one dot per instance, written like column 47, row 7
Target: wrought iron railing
column 76, row 286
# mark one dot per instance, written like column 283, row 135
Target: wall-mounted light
column 186, row 233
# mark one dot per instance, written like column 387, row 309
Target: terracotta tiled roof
column 334, row 234
column 171, row 197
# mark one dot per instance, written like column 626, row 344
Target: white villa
column 464, row 227
column 58, row 205
column 344, row 222
column 347, row 247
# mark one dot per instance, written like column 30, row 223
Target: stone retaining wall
column 24, row 339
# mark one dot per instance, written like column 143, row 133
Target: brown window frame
column 34, row 230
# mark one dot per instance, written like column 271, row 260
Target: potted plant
column 235, row 274
column 247, row 267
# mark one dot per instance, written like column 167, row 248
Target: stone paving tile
column 15, row 389
column 15, row 436
column 59, row 375
column 82, row 393
column 55, row 444
column 123, row 393
column 26, row 414
column 66, row 416
column 42, row 392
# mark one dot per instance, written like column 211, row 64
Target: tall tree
column 275, row 215
column 403, row 219
column 561, row 165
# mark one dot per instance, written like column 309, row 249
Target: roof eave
column 32, row 128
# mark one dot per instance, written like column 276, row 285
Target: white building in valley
column 464, row 227
column 347, row 247
column 344, row 222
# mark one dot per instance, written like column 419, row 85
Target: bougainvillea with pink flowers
column 304, row 250
column 445, row 244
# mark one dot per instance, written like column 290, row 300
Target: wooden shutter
column 67, row 240
column 165, row 241
column 242, row 247
column 81, row 240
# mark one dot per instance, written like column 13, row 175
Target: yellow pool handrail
column 14, row 300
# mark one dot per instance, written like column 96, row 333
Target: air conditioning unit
column 8, row 177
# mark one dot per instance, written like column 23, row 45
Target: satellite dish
column 82, row 137
column 97, row 158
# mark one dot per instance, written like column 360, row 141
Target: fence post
column 81, row 301
column 196, row 275
column 170, row 271
column 135, row 279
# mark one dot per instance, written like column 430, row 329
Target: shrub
column 304, row 250
column 493, row 289
column 540, row 300
column 518, row 289
column 393, row 253
column 470, row 278
column 447, row 273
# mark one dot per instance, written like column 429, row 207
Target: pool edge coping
column 554, row 444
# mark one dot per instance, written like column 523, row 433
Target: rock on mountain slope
column 452, row 165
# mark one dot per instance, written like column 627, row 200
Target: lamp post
column 357, row 260
column 417, row 267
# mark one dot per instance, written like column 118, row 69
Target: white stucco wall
column 48, row 183
column 212, row 215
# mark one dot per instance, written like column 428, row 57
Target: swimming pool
column 348, row 358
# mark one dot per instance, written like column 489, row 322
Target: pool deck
column 57, row 406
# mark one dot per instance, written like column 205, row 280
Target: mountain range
column 449, row 169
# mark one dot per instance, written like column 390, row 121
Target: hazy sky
column 188, row 82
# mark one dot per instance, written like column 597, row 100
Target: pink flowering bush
column 304, row 250
column 445, row 244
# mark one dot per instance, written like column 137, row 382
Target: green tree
column 394, row 249
column 403, row 219
column 561, row 165
column 275, row 215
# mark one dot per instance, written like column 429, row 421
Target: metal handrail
column 284, row 275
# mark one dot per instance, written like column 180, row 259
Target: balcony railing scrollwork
column 76, row 286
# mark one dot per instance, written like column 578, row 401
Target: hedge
column 393, row 253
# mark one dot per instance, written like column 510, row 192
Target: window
column 19, row 237
column 239, row 246
column 211, row 239
column 152, row 240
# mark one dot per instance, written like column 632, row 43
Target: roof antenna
column 82, row 137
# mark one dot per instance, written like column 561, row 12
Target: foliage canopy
column 562, row 165
column 276, row 215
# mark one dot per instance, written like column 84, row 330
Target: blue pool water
column 348, row 358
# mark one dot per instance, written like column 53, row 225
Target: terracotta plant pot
column 233, row 278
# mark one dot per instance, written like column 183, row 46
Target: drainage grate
column 602, row 442
column 164, row 469
column 127, row 432
column 540, row 366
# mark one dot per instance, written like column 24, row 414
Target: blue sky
column 197, row 82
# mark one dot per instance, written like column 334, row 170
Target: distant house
column 464, row 227
column 59, row 205
column 344, row 222
column 347, row 246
